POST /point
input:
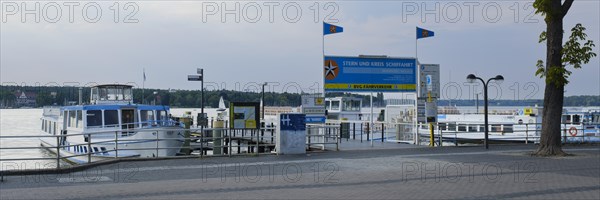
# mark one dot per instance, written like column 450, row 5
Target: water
column 18, row 122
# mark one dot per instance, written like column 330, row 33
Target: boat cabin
column 112, row 94
column 343, row 108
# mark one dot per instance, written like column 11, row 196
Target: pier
column 507, row 171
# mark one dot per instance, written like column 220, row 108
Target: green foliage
column 573, row 54
column 543, row 7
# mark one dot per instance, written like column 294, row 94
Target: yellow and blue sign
column 358, row 74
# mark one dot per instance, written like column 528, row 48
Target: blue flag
column 331, row 29
column 424, row 33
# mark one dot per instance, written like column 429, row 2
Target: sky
column 242, row 44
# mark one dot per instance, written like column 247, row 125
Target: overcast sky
column 282, row 45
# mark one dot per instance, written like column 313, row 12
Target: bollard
column 353, row 131
column 431, row 139
column 186, row 150
column 361, row 132
column 526, row 133
column 217, row 136
column 382, row 130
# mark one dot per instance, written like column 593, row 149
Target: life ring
column 573, row 131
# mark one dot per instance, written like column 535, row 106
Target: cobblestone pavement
column 405, row 173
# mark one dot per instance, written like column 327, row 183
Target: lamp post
column 262, row 100
column 471, row 78
column 199, row 77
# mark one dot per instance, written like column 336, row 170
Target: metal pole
column 526, row 133
column 202, row 94
column 371, row 120
column 80, row 96
column 57, row 153
column 477, row 103
column 382, row 131
column 485, row 100
column 116, row 144
column 89, row 145
column 262, row 100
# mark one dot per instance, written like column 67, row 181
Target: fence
column 458, row 132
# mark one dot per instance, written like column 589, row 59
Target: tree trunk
column 550, row 141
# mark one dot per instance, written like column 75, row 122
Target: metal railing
column 456, row 132
column 322, row 135
column 94, row 146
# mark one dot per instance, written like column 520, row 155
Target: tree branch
column 566, row 6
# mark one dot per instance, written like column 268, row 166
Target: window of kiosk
column 111, row 118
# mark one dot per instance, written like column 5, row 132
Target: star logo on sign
column 331, row 69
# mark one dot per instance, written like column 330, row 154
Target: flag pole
column 143, row 85
column 416, row 103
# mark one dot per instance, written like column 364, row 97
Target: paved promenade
column 505, row 172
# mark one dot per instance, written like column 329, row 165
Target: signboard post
column 313, row 105
column 428, row 92
column 244, row 115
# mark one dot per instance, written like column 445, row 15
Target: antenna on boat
column 80, row 95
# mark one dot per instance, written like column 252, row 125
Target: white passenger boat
column 111, row 126
column 516, row 125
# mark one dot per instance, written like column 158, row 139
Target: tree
column 555, row 72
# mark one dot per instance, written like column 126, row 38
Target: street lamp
column 471, row 79
column 199, row 77
column 262, row 100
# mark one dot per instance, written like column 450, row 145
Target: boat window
column 452, row 126
column 94, row 118
column 596, row 119
column 328, row 105
column 79, row 119
column 442, row 126
column 72, row 118
column 43, row 124
column 127, row 94
column 472, row 128
column 111, row 118
column 335, row 105
column 54, row 128
column 496, row 128
column 576, row 119
column 146, row 116
column 508, row 128
column 462, row 127
column 351, row 106
column 160, row 116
